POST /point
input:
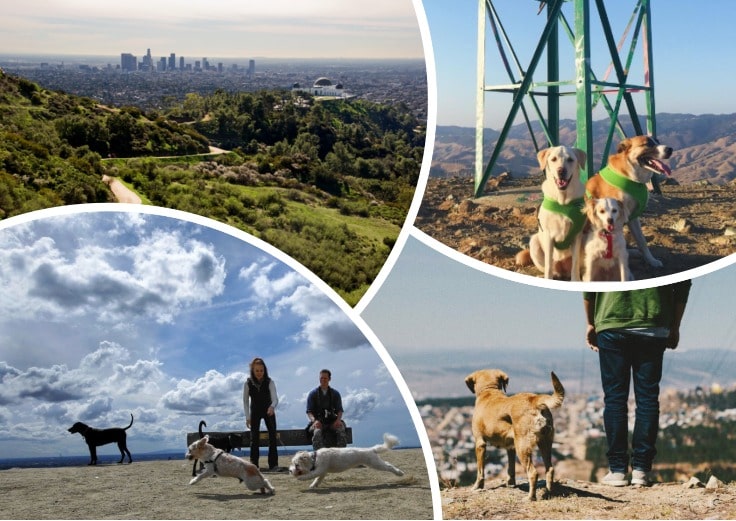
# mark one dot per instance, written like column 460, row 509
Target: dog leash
column 571, row 210
column 638, row 191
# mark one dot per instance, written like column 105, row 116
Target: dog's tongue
column 610, row 228
column 659, row 166
column 562, row 183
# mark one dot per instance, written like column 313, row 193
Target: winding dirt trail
column 121, row 192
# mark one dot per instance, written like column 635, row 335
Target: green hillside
column 329, row 183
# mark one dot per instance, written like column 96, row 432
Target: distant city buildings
column 130, row 63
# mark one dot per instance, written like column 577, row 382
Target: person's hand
column 591, row 337
column 269, row 411
column 673, row 340
column 317, row 424
column 337, row 424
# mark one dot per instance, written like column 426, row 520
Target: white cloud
column 213, row 393
column 158, row 277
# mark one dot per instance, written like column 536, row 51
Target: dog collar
column 604, row 234
column 638, row 191
column 571, row 210
column 314, row 461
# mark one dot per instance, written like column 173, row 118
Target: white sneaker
column 615, row 479
column 640, row 477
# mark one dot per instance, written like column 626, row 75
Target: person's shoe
column 641, row 478
column 615, row 479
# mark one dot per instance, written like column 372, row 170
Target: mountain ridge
column 704, row 146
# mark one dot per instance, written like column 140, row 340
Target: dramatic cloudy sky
column 104, row 314
column 214, row 28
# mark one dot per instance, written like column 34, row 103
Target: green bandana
column 638, row 191
column 571, row 210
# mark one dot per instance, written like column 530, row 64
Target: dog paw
column 655, row 263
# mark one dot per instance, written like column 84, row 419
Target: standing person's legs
column 615, row 364
column 273, row 456
column 647, row 370
column 255, row 435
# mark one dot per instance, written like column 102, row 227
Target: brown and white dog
column 516, row 423
column 554, row 248
column 625, row 178
column 604, row 253
column 220, row 463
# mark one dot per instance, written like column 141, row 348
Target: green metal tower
column 588, row 90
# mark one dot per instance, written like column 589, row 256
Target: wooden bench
column 287, row 438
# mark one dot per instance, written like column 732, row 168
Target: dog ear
column 580, row 156
column 542, row 158
column 624, row 146
column 470, row 382
column 503, row 382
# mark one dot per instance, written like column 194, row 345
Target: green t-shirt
column 640, row 308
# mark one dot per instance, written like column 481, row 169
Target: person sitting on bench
column 324, row 410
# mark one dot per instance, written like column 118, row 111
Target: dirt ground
column 585, row 500
column 160, row 490
column 688, row 226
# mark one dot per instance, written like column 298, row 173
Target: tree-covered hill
column 328, row 182
column 51, row 145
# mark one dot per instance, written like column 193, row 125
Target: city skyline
column 221, row 28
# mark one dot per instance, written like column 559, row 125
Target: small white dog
column 220, row 463
column 316, row 464
column 605, row 257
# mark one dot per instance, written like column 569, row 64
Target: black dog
column 228, row 443
column 97, row 437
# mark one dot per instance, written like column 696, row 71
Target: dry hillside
column 688, row 226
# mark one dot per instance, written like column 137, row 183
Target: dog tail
column 131, row 422
column 201, row 424
column 389, row 442
column 554, row 400
column 523, row 258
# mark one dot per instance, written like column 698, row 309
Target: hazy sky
column 214, row 28
column 108, row 313
column 433, row 312
column 693, row 44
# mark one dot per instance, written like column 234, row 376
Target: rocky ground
column 687, row 226
column 585, row 500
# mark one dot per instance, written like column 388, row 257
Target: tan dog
column 625, row 178
column 554, row 248
column 516, row 423
column 604, row 253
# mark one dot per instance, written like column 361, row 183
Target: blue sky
column 437, row 317
column 214, row 28
column 693, row 43
column 107, row 313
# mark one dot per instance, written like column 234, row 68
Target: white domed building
column 323, row 88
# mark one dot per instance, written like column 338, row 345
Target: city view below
column 157, row 83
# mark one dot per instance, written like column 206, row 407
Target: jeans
column 621, row 356
column 255, row 435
